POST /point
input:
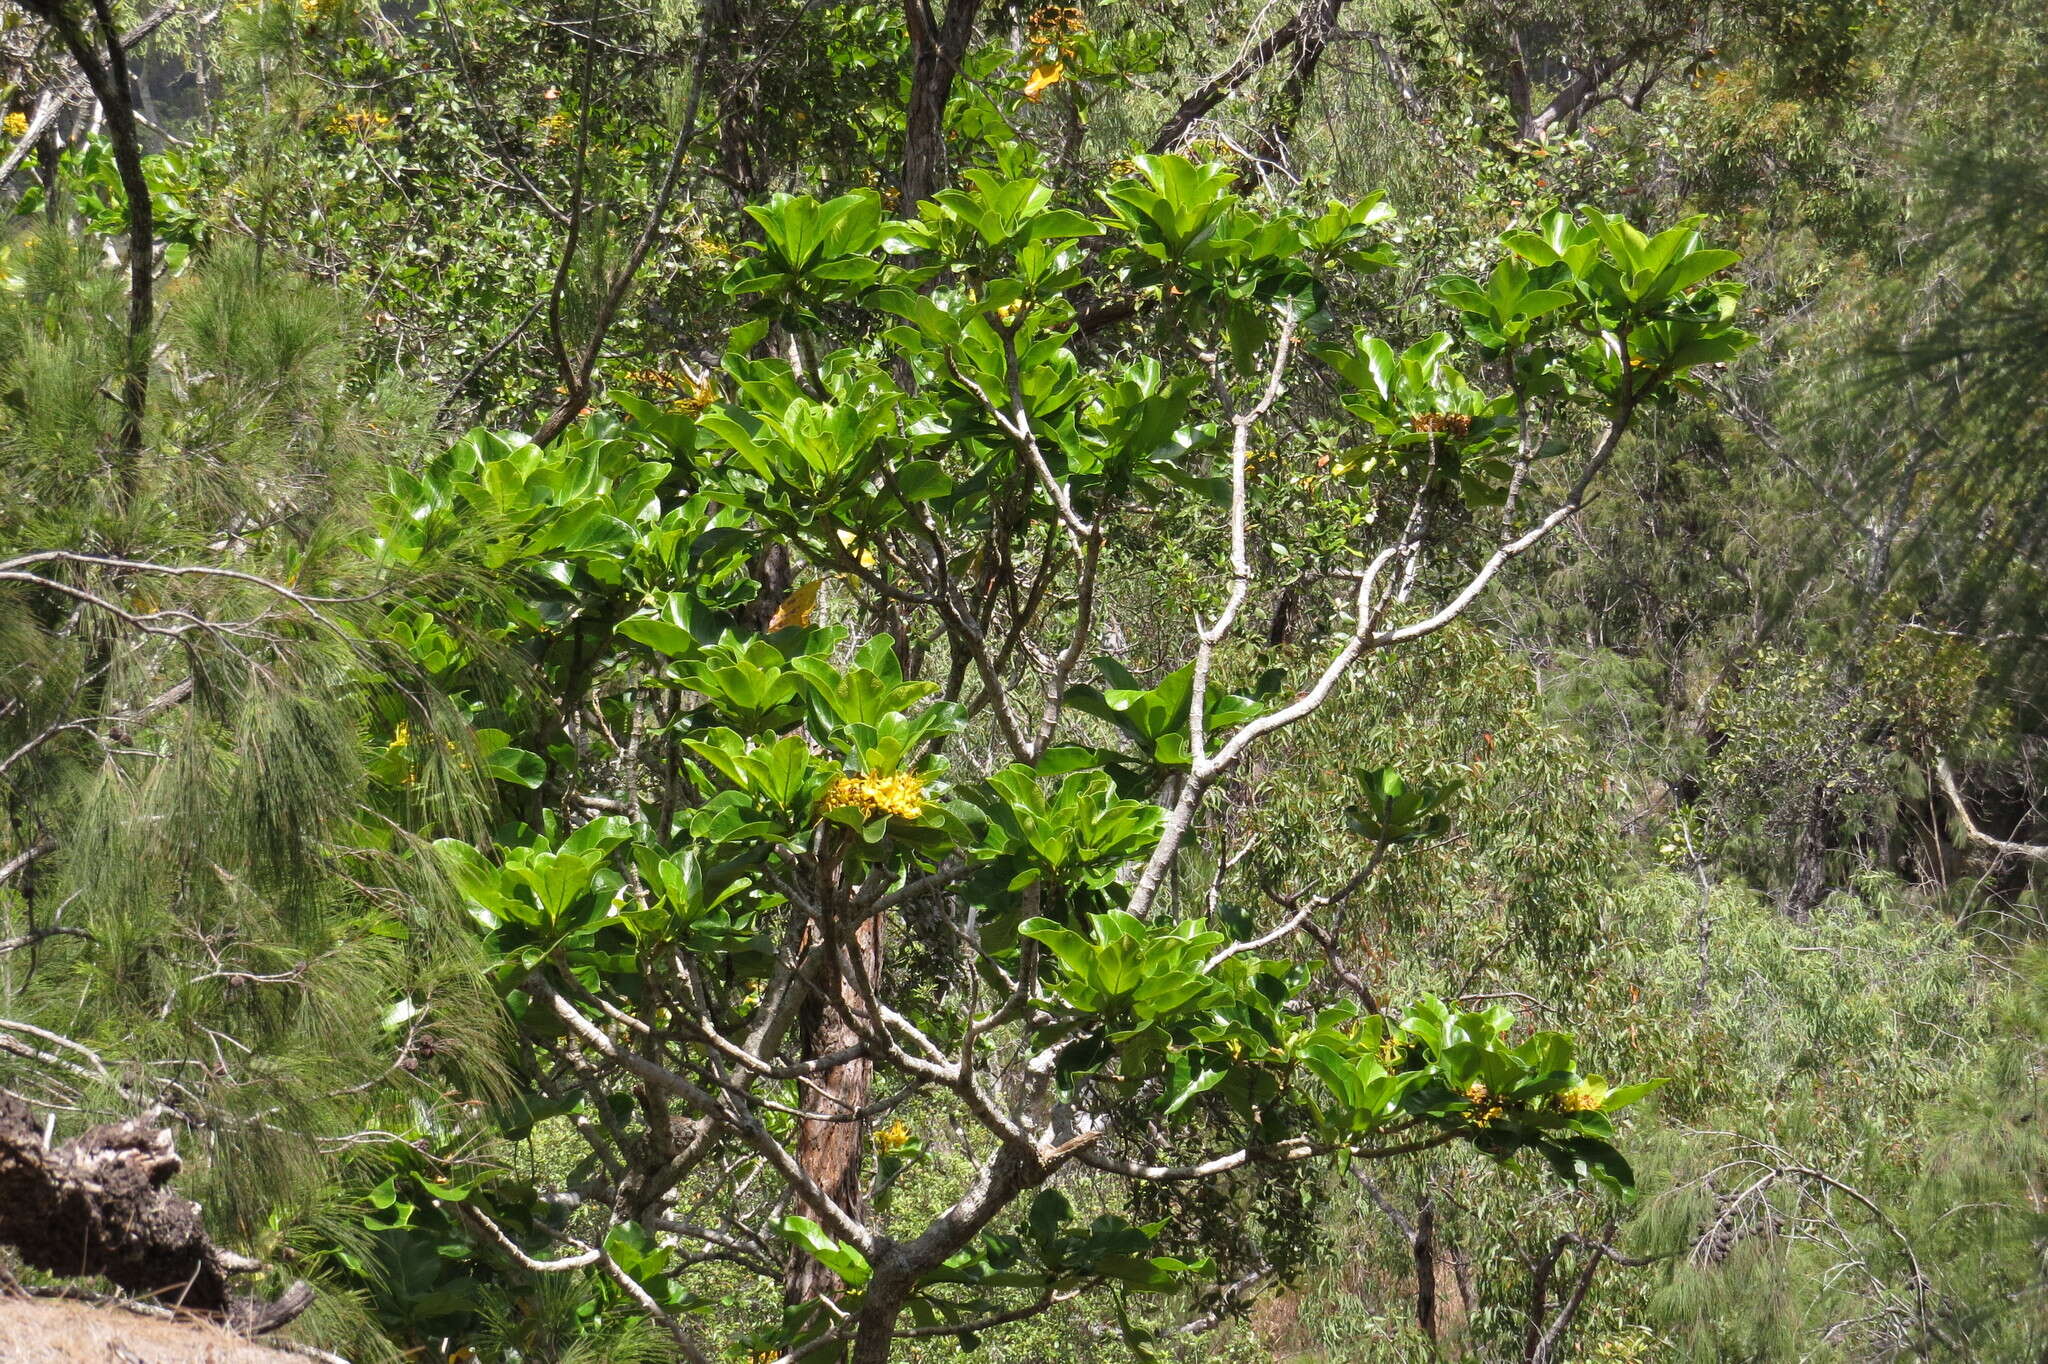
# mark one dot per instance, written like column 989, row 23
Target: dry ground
column 45, row 1331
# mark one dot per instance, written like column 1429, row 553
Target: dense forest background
column 1736, row 774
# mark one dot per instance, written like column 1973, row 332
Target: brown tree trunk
column 771, row 568
column 1809, row 858
column 936, row 47
column 1539, row 1301
column 881, row 1305
column 1424, row 1247
column 829, row 1143
column 739, row 97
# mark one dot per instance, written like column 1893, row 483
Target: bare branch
column 2033, row 852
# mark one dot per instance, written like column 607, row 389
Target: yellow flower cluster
column 364, row 122
column 1205, row 149
column 1485, row 1108
column 1583, row 1097
column 16, row 124
column 1446, row 423
column 1052, row 25
column 900, row 794
column 554, row 127
column 685, row 392
column 1053, row 30
column 893, row 1138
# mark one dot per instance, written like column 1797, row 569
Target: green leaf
column 518, row 767
column 921, row 480
column 1628, row 1094
column 845, row 1261
column 1049, row 1212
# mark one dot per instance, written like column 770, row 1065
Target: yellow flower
column 1044, row 77
column 1485, row 1108
column 1055, row 25
column 1447, row 423
column 899, row 795
column 688, row 391
column 1058, row 19
column 797, row 608
column 362, row 122
column 554, row 127
column 16, row 124
column 702, row 394
column 893, row 1138
column 1583, row 1097
column 402, row 735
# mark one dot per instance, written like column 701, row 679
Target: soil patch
column 52, row 1331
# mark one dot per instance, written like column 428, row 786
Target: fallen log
column 97, row 1205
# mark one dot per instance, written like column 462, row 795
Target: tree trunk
column 771, row 568
column 102, row 57
column 829, row 1144
column 1539, row 1302
column 1809, row 858
column 935, row 52
column 881, row 1305
column 739, row 98
column 1424, row 1247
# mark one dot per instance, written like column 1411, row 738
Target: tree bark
column 829, row 1145
column 875, row 1330
column 739, row 100
column 1424, row 1248
column 936, row 47
column 1809, row 858
column 1539, row 1300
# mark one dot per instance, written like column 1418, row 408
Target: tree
column 779, row 895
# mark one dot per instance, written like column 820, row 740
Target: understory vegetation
column 1333, row 681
